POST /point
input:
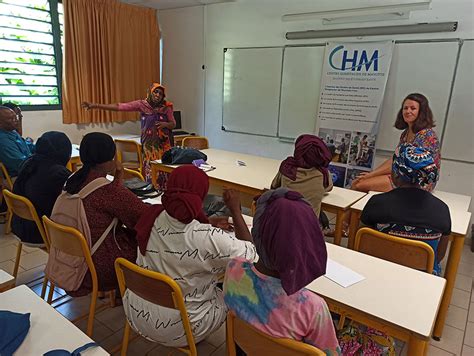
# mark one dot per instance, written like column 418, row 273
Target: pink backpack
column 64, row 270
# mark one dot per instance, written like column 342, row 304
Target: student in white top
column 178, row 239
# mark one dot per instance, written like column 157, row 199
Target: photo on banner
column 352, row 89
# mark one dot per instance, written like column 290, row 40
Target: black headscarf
column 52, row 147
column 95, row 148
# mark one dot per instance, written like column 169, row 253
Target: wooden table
column 7, row 281
column 397, row 300
column 460, row 221
column 256, row 176
column 49, row 330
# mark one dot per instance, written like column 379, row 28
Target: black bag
column 178, row 155
column 141, row 188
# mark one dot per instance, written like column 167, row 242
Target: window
column 30, row 53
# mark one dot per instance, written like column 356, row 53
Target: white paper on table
column 342, row 275
column 153, row 201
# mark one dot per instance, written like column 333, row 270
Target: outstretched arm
column 88, row 106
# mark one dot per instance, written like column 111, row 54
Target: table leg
column 450, row 275
column 338, row 228
column 354, row 224
column 417, row 346
column 154, row 174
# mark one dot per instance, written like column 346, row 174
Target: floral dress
column 154, row 141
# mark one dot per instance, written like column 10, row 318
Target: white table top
column 49, row 330
column 75, row 151
column 341, row 197
column 5, row 278
column 133, row 137
column 458, row 205
column 397, row 294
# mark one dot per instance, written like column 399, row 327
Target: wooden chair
column 71, row 241
column 255, row 343
column 156, row 288
column 130, row 173
column 415, row 254
column 130, row 146
column 23, row 208
column 197, row 142
column 6, row 183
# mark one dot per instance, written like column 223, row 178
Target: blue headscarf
column 414, row 165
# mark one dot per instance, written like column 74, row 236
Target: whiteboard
column 458, row 142
column 300, row 87
column 251, row 91
column 420, row 67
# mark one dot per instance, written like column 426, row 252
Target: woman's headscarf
column 151, row 89
column 414, row 165
column 288, row 238
column 310, row 152
column 52, row 147
column 186, row 188
column 95, row 148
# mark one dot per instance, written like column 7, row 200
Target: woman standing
column 157, row 121
column 416, row 120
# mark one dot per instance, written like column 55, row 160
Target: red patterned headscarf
column 310, row 152
column 187, row 187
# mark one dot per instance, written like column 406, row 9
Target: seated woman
column 41, row 180
column 97, row 152
column 409, row 210
column 177, row 239
column 416, row 120
column 270, row 294
column 307, row 170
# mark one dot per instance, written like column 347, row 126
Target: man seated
column 409, row 211
column 14, row 149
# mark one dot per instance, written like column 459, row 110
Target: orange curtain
column 111, row 56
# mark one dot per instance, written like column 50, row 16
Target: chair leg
column 51, row 291
column 17, row 259
column 43, row 289
column 112, row 298
column 90, row 320
column 126, row 335
column 8, row 226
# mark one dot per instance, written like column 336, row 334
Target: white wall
column 182, row 32
column 256, row 23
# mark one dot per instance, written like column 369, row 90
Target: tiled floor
column 458, row 336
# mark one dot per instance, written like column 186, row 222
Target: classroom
column 237, row 177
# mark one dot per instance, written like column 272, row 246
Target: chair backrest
column 415, row 254
column 154, row 287
column 69, row 240
column 255, row 343
column 23, row 208
column 6, row 181
column 197, row 142
column 131, row 173
column 130, row 146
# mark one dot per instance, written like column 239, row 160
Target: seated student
column 177, row 239
column 409, row 210
column 307, row 171
column 17, row 110
column 41, row 180
column 97, row 152
column 270, row 294
column 14, row 149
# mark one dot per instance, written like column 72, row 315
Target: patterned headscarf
column 414, row 165
column 288, row 238
column 151, row 89
column 310, row 152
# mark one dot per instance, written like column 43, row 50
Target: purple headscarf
column 288, row 238
column 310, row 152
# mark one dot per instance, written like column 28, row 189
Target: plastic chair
column 415, row 254
column 71, row 241
column 156, row 288
column 6, row 183
column 130, row 173
column 23, row 208
column 197, row 142
column 255, row 343
column 130, row 146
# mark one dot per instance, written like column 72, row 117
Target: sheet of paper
column 342, row 275
column 153, row 201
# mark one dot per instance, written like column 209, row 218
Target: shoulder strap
column 92, row 186
column 103, row 236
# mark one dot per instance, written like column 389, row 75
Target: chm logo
column 354, row 60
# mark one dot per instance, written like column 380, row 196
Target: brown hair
column 425, row 115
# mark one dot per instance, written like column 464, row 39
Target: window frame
column 58, row 57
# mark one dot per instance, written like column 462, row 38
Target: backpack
column 65, row 270
column 178, row 155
